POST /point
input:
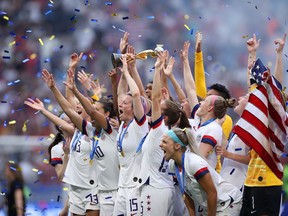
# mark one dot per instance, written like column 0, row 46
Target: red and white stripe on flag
column 263, row 125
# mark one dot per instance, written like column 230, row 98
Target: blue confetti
column 238, row 149
column 77, row 10
column 94, row 20
column 13, row 34
column 47, row 100
column 13, row 168
column 24, row 37
column 124, row 18
column 2, row 13
column 6, row 57
column 50, row 5
column 6, row 51
column 61, row 47
column 48, row 12
column 73, row 17
column 150, row 17
column 108, row 3
column 5, row 123
column 26, row 60
column 191, row 32
column 121, row 30
column 47, row 60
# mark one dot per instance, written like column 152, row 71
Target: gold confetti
column 12, row 122
column 10, row 161
column 51, row 135
column 6, row 17
column 33, row 56
column 65, row 189
column 245, row 36
column 40, row 41
column 186, row 16
column 187, row 27
column 52, row 37
column 114, row 14
column 46, row 161
column 35, row 170
column 12, row 43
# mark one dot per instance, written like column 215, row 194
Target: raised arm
column 113, row 77
column 100, row 119
column 252, row 46
column 37, row 104
column 199, row 72
column 188, row 78
column 156, row 90
column 168, row 72
column 74, row 60
column 137, row 105
column 63, row 102
column 278, row 71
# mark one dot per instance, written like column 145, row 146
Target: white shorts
column 107, row 202
column 157, row 201
column 232, row 210
column 127, row 202
column 82, row 199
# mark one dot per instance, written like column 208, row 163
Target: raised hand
column 97, row 88
column 85, row 79
column 198, row 41
column 124, row 43
column 70, row 83
column 124, row 62
column 253, row 44
column 160, row 60
column 131, row 56
column 169, row 68
column 185, row 51
column 48, row 78
column 112, row 74
column 165, row 93
column 74, row 60
column 281, row 43
column 35, row 104
column 114, row 123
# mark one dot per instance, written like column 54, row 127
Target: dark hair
column 108, row 106
column 175, row 114
column 221, row 89
column 58, row 138
column 221, row 105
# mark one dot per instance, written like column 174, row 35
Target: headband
column 174, row 137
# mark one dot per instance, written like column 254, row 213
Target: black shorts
column 261, row 201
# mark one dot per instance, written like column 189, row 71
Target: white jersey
column 57, row 154
column 129, row 138
column 210, row 134
column 153, row 164
column 106, row 155
column 233, row 171
column 80, row 171
column 195, row 168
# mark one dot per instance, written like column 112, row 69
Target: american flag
column 259, row 72
column 263, row 124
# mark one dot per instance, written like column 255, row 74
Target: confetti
column 232, row 171
column 65, row 189
column 58, row 198
column 6, row 57
column 77, row 10
column 48, row 12
column 256, row 7
column 245, row 36
column 47, row 60
column 35, row 170
column 121, row 30
column 33, row 56
column 5, row 123
column 150, row 17
column 114, row 14
column 187, row 27
column 73, row 17
column 47, row 100
column 12, row 43
column 269, row 18
column 238, row 149
column 124, row 18
column 46, row 161
column 28, row 31
column 61, row 47
column 37, row 112
column 12, row 122
column 94, row 20
column 40, row 172
column 286, row 55
column 36, row 181
column 6, row 17
column 52, row 37
column 108, row 3
column 26, row 60
column 24, row 37
column 40, row 41
column 4, row 102
column 191, row 32
column 13, row 168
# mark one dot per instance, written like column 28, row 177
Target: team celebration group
column 142, row 152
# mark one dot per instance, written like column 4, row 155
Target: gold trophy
column 143, row 55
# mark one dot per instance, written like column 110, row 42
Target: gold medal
column 122, row 153
column 91, row 162
column 183, row 197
